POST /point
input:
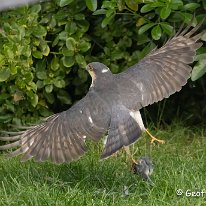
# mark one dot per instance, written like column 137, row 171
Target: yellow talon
column 154, row 138
column 126, row 148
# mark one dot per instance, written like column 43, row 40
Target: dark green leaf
column 68, row 61
column 55, row 63
column 9, row 52
column 4, row 74
column 121, row 5
column 71, row 28
column 115, row 68
column 199, row 70
column 83, row 75
column 175, row 4
column 200, row 57
column 159, row 3
column 21, row 32
column 64, row 97
column 32, row 85
column 116, row 54
column 4, row 96
column 156, row 32
column 52, row 23
column 41, row 65
column 165, row 12
column 83, row 25
column 80, row 61
column 39, row 84
column 10, row 106
column 64, row 2
column 140, row 22
column 63, row 35
column 79, row 17
column 45, row 50
column 49, row 97
column 91, row 4
column 132, row 4
column 34, row 99
column 142, row 39
column 146, row 50
column 146, row 8
column 61, row 15
column 167, row 28
column 178, row 2
column 71, row 43
column 204, row 4
column 5, row 118
column 99, row 12
column 41, row 75
column 107, row 20
column 67, row 52
column 2, row 60
column 144, row 28
column 187, row 17
column 84, row 46
column 203, row 38
column 36, row 8
column 191, row 6
column 56, row 41
column 59, row 83
column 26, row 51
column 39, row 31
column 37, row 54
column 109, row 4
column 49, row 88
column 13, row 69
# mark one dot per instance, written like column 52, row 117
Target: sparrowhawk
column 111, row 105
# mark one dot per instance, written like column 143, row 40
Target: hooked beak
column 90, row 69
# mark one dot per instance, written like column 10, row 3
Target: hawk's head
column 99, row 72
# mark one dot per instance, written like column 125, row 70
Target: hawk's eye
column 91, row 68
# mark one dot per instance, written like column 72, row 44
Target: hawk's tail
column 123, row 131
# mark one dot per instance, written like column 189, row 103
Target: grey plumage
column 8, row 4
column 112, row 104
column 123, row 130
column 144, row 168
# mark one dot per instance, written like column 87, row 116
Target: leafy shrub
column 44, row 48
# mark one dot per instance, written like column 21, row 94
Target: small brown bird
column 112, row 105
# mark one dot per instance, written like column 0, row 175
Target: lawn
column 179, row 164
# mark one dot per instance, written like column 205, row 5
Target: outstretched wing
column 162, row 72
column 61, row 138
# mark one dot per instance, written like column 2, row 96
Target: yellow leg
column 154, row 138
column 129, row 154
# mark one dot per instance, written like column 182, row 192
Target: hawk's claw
column 153, row 139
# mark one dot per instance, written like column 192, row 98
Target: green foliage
column 45, row 48
column 39, row 46
column 91, row 4
column 200, row 68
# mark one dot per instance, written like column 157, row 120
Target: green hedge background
column 44, row 49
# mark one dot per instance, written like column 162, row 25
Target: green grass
column 179, row 164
